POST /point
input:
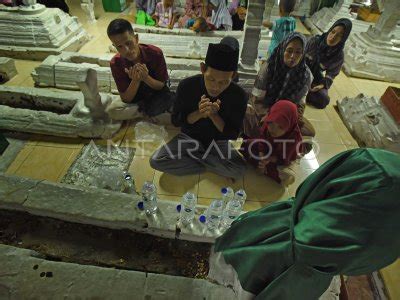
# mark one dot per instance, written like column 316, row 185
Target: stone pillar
column 88, row 7
column 7, row 69
column 29, row 2
column 387, row 21
column 252, row 33
column 92, row 97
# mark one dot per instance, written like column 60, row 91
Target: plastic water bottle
column 227, row 194
column 129, row 184
column 149, row 197
column 241, row 196
column 187, row 208
column 214, row 214
column 231, row 212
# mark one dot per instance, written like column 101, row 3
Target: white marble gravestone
column 34, row 32
column 375, row 53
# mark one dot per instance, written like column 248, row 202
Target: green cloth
column 344, row 219
column 3, row 144
column 143, row 18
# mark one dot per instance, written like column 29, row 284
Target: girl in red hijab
column 279, row 143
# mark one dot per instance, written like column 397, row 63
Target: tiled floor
column 50, row 157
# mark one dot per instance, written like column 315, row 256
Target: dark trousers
column 160, row 102
column 318, row 99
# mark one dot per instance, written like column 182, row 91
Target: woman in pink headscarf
column 195, row 9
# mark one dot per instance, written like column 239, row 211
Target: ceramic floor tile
column 97, row 46
column 174, row 198
column 314, row 114
column 328, row 137
column 327, row 151
column 168, row 184
column 301, row 175
column 340, row 128
column 210, row 185
column 309, row 161
column 69, row 163
column 46, row 163
column 116, row 140
column 344, row 86
column 350, row 147
column 323, row 125
column 261, row 188
column 141, row 170
column 367, row 87
column 381, row 86
column 391, row 278
column 253, row 205
column 16, row 80
column 145, row 147
column 56, row 141
column 21, row 157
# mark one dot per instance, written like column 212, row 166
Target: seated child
column 282, row 26
column 145, row 11
column 166, row 14
column 199, row 25
column 239, row 18
column 220, row 18
column 279, row 144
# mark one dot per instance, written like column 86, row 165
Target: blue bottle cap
column 240, row 194
column 202, row 219
column 179, row 207
column 224, row 190
column 140, row 205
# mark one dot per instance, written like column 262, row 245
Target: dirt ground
column 91, row 245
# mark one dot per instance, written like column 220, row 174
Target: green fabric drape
column 143, row 18
column 344, row 219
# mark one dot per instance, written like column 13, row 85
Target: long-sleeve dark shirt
column 232, row 110
column 331, row 67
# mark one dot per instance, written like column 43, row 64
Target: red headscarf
column 283, row 113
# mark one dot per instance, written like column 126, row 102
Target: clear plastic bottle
column 231, row 212
column 227, row 194
column 149, row 197
column 187, row 208
column 214, row 214
column 241, row 196
column 129, row 184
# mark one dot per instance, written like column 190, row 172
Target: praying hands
column 138, row 72
column 208, row 108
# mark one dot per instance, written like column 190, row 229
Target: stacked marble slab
column 370, row 122
column 323, row 19
column 367, row 57
column 7, row 68
column 375, row 54
column 61, row 71
column 191, row 46
column 166, row 39
column 34, row 32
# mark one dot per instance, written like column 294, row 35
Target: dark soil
column 91, row 245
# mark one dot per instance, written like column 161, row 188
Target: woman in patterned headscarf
column 344, row 220
column 284, row 76
column 324, row 53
